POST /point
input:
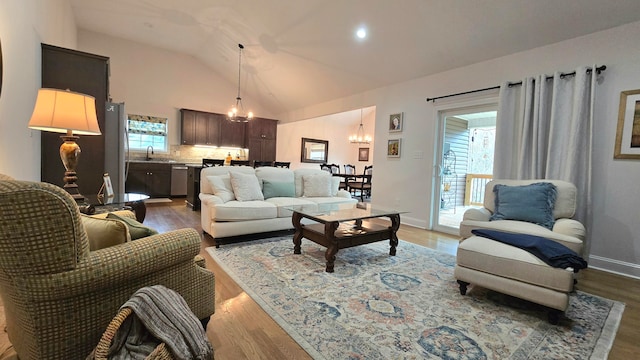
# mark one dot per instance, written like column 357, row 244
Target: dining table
column 359, row 178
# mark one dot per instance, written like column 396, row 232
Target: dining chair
column 257, row 163
column 240, row 162
column 325, row 167
column 212, row 162
column 282, row 164
column 363, row 183
column 348, row 170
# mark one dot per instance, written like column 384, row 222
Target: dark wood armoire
column 84, row 73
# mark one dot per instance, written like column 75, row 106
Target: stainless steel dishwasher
column 179, row 180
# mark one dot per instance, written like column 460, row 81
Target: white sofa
column 222, row 218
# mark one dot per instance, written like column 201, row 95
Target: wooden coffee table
column 343, row 226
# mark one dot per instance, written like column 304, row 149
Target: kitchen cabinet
column 153, row 179
column 205, row 128
column 261, row 139
column 232, row 134
column 193, row 187
column 199, row 128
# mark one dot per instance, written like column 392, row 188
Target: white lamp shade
column 63, row 110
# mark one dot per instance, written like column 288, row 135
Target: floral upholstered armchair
column 59, row 296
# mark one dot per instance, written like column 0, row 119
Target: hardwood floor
column 240, row 329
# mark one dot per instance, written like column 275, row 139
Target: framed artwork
column 314, row 151
column 108, row 188
column 628, row 132
column 363, row 154
column 395, row 122
column 393, row 148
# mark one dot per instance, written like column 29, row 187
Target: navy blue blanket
column 549, row 251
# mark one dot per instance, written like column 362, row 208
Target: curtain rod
column 599, row 69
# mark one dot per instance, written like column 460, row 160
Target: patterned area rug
column 408, row 306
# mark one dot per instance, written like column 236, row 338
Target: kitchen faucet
column 148, row 157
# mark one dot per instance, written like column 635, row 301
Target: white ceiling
column 304, row 52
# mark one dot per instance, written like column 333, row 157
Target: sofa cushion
column 103, row 233
column 221, row 185
column 136, row 229
column 572, row 240
column 272, row 189
column 316, row 185
column 243, row 210
column 508, row 261
column 283, row 202
column 245, row 186
column 531, row 203
column 274, row 174
column 299, row 173
column 205, row 186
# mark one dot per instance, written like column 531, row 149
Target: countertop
column 164, row 161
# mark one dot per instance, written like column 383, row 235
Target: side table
column 94, row 204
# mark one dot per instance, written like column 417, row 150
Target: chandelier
column 360, row 137
column 237, row 113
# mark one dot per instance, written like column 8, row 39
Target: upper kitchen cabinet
column 205, row 128
column 261, row 139
column 232, row 134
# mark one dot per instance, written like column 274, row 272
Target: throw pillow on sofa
column 317, row 185
column 221, row 185
column 136, row 229
column 246, row 187
column 103, row 233
column 272, row 189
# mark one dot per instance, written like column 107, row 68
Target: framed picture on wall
column 628, row 132
column 363, row 154
column 395, row 122
column 393, row 148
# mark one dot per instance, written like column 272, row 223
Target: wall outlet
column 177, row 153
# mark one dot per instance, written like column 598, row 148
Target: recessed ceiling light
column 361, row 33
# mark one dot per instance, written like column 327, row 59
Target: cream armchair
column 511, row 270
column 566, row 230
column 59, row 296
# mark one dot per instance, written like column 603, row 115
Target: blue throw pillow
column 278, row 189
column 532, row 203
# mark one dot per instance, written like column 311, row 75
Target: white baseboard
column 614, row 266
column 419, row 223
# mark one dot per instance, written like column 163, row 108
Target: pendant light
column 360, row 137
column 237, row 114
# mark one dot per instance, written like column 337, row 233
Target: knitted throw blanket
column 160, row 315
column 551, row 252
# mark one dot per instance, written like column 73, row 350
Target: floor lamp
column 64, row 111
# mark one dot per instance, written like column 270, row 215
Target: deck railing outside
column 474, row 189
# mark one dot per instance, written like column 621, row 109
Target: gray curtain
column 544, row 131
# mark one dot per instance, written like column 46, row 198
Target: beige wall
column 24, row 25
column 336, row 128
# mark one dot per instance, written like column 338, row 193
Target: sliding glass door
column 464, row 162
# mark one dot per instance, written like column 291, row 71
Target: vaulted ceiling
column 304, row 52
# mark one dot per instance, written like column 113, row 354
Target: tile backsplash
column 194, row 154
